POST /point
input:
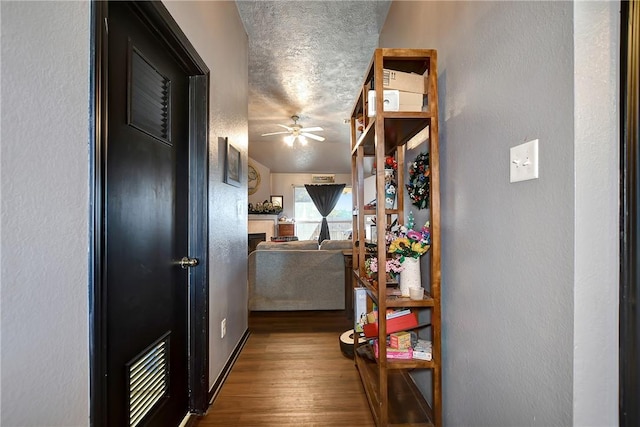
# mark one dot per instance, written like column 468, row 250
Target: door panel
column 146, row 195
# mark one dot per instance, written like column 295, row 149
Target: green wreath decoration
column 419, row 181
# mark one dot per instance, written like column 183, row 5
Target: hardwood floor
column 291, row 372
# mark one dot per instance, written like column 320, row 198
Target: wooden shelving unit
column 393, row 397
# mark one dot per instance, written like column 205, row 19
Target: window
column 308, row 219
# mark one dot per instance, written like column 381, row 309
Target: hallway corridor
column 291, row 372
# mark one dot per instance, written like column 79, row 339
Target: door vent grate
column 148, row 380
column 149, row 99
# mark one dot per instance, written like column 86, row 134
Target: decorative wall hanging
column 419, row 181
column 253, row 179
column 232, row 164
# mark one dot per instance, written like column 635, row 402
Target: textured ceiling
column 307, row 58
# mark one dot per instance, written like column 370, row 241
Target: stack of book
column 395, row 353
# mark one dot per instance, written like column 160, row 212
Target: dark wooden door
column 146, row 211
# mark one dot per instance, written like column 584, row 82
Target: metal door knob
column 187, row 262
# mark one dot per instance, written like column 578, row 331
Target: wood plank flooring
column 291, row 372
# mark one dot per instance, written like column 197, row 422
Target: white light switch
column 524, row 161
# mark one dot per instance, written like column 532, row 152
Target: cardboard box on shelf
column 372, row 317
column 400, row 340
column 395, row 100
column 396, row 324
column 408, row 82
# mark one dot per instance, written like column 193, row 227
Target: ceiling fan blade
column 312, row 136
column 290, row 129
column 312, row 129
column 274, row 133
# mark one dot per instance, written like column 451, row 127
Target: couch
column 298, row 275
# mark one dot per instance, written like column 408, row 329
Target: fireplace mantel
column 260, row 223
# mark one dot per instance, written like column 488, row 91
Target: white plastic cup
column 416, row 293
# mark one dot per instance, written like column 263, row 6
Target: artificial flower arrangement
column 390, row 163
column 392, row 267
column 405, row 242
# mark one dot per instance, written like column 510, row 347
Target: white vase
column 410, row 276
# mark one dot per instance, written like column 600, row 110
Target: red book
column 396, row 324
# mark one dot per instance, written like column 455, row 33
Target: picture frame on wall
column 323, row 179
column 232, row 164
column 277, row 201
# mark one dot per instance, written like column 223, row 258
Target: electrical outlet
column 524, row 161
column 223, row 328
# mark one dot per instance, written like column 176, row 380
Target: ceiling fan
column 295, row 131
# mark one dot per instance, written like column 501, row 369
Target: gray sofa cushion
column 332, row 245
column 282, row 246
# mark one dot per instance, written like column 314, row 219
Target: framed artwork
column 232, row 164
column 323, row 179
column 277, row 201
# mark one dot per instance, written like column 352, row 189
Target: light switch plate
column 523, row 161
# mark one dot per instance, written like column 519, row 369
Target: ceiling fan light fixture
column 289, row 140
column 296, row 131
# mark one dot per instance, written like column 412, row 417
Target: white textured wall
column 216, row 31
column 44, row 184
column 506, row 76
column 596, row 75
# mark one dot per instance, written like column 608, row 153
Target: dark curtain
column 325, row 197
column 630, row 214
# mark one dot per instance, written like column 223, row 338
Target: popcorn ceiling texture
column 307, row 58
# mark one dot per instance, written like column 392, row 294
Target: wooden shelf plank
column 410, row 364
column 400, row 363
column 399, row 127
column 394, row 302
